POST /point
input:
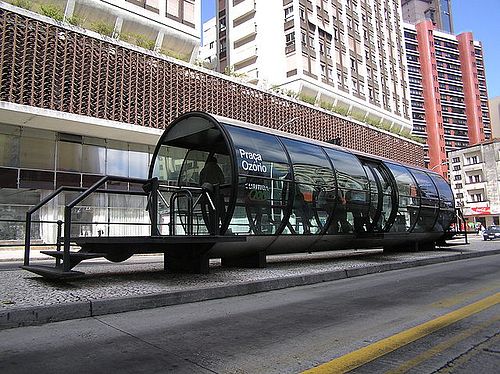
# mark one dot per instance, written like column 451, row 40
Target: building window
column 474, row 178
column 456, row 167
column 476, row 197
column 458, row 177
column 173, row 8
column 289, row 12
column 458, row 186
column 151, row 5
column 188, row 16
column 455, row 160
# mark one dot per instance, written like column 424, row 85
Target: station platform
column 141, row 282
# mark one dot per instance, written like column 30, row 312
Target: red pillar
column 471, row 88
column 432, row 98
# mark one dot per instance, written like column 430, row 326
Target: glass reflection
column 263, row 183
column 446, row 203
column 314, row 191
column 409, row 199
column 352, row 210
column 429, row 202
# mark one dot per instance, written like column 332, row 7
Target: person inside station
column 340, row 224
column 211, row 179
column 302, row 208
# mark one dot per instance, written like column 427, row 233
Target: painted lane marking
column 437, row 349
column 464, row 296
column 351, row 361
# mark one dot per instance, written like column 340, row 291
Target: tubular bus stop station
column 219, row 188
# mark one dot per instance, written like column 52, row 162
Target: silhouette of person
column 340, row 222
column 211, row 175
column 302, row 209
column 211, row 172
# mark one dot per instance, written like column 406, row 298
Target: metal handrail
column 187, row 191
column 68, row 208
column 29, row 213
column 175, row 196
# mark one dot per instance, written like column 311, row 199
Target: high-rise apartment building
column 437, row 11
column 171, row 26
column 348, row 54
column 448, row 91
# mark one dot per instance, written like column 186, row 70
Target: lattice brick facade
column 51, row 66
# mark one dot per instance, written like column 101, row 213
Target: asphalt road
column 436, row 318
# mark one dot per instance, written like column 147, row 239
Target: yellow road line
column 424, row 356
column 462, row 297
column 369, row 353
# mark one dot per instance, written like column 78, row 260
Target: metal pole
column 155, row 231
column 27, row 239
column 58, row 242
column 67, row 234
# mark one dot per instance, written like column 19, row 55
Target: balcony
column 474, row 167
column 243, row 9
column 470, row 186
column 244, row 54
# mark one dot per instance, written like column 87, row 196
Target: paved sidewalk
column 141, row 283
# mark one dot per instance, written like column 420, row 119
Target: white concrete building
column 494, row 105
column 208, row 51
column 345, row 54
column 172, row 27
column 475, row 180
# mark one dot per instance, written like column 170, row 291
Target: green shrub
column 75, row 20
column 358, row 116
column 290, row 93
column 173, row 54
column 372, row 121
column 340, row 110
column 25, row 4
column 52, row 11
column 139, row 40
column 144, row 42
column 326, row 105
column 307, row 98
column 102, row 28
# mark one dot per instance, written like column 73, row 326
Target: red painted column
column 432, row 98
column 471, row 88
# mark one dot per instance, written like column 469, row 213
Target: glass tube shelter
column 287, row 193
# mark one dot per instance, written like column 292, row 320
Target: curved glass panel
column 351, row 211
column 387, row 198
column 314, row 193
column 263, row 182
column 192, row 152
column 429, row 202
column 374, row 214
column 446, row 203
column 409, row 201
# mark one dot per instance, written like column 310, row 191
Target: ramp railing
column 67, row 222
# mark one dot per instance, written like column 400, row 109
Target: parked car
column 492, row 232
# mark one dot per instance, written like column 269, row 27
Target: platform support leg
column 192, row 262
column 257, row 260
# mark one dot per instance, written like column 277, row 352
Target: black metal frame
column 66, row 239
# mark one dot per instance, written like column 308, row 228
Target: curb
column 38, row 315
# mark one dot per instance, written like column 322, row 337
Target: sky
column 481, row 17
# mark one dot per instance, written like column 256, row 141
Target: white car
column 492, row 232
